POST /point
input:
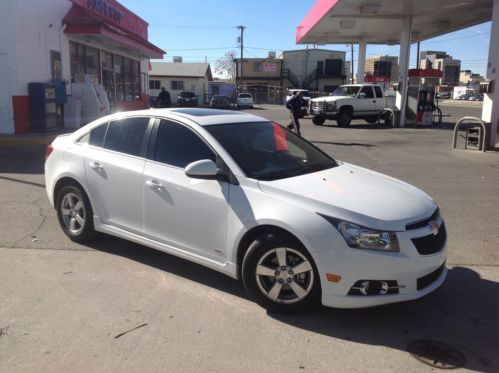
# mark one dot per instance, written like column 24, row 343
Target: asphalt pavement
column 115, row 306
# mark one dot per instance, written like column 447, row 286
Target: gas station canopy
column 380, row 22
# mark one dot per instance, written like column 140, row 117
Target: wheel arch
column 261, row 231
column 68, row 181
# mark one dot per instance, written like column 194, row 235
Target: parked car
column 187, row 99
column 245, row 196
column 244, row 100
column 306, row 98
column 443, row 95
column 462, row 97
column 220, row 102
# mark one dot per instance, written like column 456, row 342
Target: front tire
column 344, row 118
column 318, row 120
column 280, row 275
column 75, row 214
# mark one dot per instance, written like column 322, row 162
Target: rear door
column 189, row 214
column 114, row 165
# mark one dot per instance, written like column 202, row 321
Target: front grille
column 430, row 278
column 317, row 105
column 424, row 222
column 431, row 244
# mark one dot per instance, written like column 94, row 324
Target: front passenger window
column 368, row 92
column 178, row 146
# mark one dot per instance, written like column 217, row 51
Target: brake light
column 48, row 150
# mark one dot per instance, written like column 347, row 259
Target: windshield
column 244, row 95
column 187, row 94
column 346, row 90
column 267, row 151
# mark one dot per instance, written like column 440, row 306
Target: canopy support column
column 361, row 62
column 490, row 111
column 405, row 49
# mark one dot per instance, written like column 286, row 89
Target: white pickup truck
column 351, row 101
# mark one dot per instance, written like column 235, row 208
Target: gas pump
column 421, row 96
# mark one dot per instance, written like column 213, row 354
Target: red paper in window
column 280, row 138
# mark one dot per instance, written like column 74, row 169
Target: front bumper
column 416, row 275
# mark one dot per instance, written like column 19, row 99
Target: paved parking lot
column 65, row 307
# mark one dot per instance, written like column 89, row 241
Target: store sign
column 272, row 67
column 105, row 9
column 116, row 14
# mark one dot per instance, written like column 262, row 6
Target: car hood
column 355, row 194
column 331, row 98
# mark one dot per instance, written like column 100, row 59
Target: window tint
column 368, row 91
column 126, row 135
column 178, row 146
column 379, row 93
column 97, row 135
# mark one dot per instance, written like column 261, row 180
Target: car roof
column 201, row 116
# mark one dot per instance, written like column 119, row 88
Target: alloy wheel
column 284, row 275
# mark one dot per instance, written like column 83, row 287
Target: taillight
column 48, row 150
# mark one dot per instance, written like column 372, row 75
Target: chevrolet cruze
column 244, row 196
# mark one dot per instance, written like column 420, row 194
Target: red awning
column 80, row 21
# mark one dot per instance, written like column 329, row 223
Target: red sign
column 117, row 14
column 425, row 73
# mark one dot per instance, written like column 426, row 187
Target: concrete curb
column 30, row 138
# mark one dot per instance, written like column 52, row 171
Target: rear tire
column 318, row 120
column 75, row 214
column 281, row 276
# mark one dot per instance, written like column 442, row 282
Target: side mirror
column 362, row 95
column 204, row 169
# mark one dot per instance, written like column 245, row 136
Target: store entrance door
column 108, row 83
column 6, row 125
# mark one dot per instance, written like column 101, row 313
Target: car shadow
column 22, row 159
column 462, row 312
column 341, row 143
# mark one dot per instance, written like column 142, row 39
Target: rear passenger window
column 97, row 135
column 379, row 93
column 368, row 91
column 178, row 146
column 126, row 135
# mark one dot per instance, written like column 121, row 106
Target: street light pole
column 241, row 28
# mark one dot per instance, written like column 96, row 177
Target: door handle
column 374, row 101
column 95, row 165
column 154, row 184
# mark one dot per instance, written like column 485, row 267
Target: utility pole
column 241, row 28
column 351, row 45
column 417, row 57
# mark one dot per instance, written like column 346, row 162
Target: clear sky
column 199, row 30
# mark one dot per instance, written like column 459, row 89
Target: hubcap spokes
column 73, row 213
column 284, row 275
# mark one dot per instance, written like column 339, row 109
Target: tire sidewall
column 88, row 229
column 258, row 249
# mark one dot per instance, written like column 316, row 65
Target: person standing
column 294, row 104
column 164, row 99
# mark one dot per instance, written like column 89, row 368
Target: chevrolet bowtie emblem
column 433, row 227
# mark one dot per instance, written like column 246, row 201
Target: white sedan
column 244, row 196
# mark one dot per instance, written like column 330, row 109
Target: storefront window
column 128, row 79
column 120, row 76
column 136, row 79
column 120, row 80
column 76, row 57
column 92, row 66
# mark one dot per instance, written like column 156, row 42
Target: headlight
column 331, row 105
column 359, row 237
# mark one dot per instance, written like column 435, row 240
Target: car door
column 380, row 100
column 114, row 165
column 366, row 102
column 189, row 214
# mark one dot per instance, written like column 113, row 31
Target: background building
column 382, row 66
column 261, row 77
column 439, row 60
column 96, row 52
column 313, row 69
column 466, row 77
column 180, row 76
